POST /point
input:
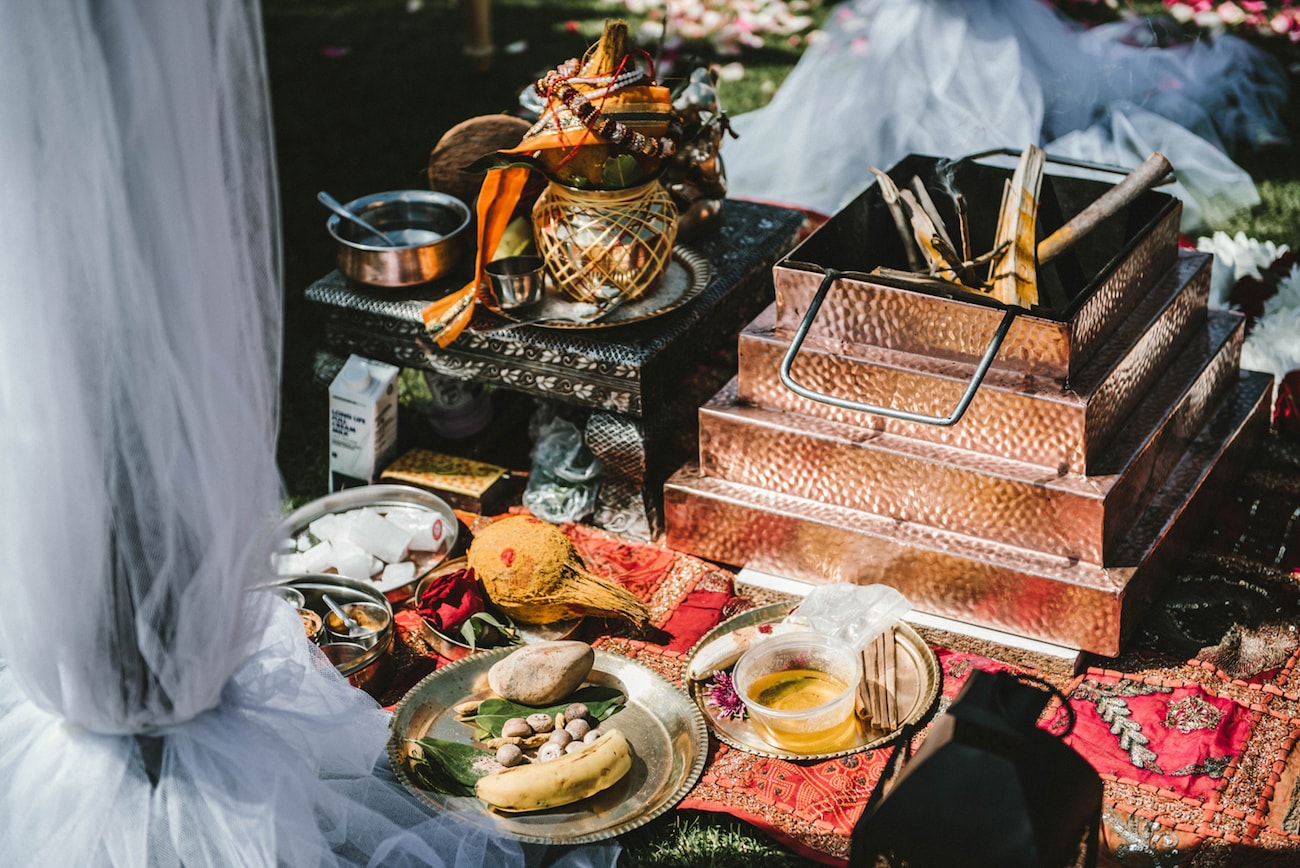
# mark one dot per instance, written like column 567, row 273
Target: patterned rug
column 1193, row 729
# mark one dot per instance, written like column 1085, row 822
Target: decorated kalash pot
column 605, row 224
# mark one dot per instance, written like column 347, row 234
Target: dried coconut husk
column 531, row 571
column 463, row 144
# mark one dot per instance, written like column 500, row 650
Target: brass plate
column 667, row 732
column 919, row 681
column 686, row 276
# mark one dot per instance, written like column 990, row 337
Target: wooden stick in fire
column 1152, row 171
column 963, row 226
column 927, row 205
column 938, row 253
column 889, row 192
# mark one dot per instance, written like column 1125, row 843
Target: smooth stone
column 543, row 673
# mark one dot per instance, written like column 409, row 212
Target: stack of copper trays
column 1091, row 431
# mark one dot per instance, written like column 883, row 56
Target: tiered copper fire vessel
column 1107, row 419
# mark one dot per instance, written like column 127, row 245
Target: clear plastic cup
column 800, row 690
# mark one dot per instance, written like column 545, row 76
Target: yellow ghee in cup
column 795, row 690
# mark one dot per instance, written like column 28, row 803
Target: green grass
column 688, row 840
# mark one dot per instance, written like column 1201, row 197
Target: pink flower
column 1231, row 13
column 722, row 693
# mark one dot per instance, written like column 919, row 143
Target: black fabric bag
column 987, row 787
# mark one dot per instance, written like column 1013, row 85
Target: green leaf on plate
column 601, row 702
column 483, row 630
column 448, row 767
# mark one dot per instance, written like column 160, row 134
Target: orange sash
column 447, row 317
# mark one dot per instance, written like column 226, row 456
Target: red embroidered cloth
column 1193, row 729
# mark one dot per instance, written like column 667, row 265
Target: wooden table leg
column 478, row 33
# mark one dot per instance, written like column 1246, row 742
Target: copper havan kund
column 1110, row 415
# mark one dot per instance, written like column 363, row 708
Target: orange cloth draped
column 447, row 317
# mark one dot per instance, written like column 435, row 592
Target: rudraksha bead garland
column 559, row 84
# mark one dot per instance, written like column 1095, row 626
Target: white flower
column 1235, row 258
column 1209, row 20
column 1273, row 345
column 1288, row 294
column 731, row 71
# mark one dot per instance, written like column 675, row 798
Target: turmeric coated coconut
column 531, row 570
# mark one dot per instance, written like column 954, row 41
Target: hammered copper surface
column 994, row 498
column 1138, row 353
column 868, row 310
column 901, row 478
column 1024, row 418
column 1029, row 419
column 1057, row 599
column 1069, row 425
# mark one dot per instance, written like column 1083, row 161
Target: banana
column 561, row 781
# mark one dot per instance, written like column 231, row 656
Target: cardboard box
column 363, row 421
column 474, row 486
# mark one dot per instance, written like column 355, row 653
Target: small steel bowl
column 430, row 228
column 362, row 669
column 312, row 623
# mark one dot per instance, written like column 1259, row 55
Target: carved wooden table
column 641, row 382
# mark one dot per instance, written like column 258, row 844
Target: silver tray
column 686, row 276
column 918, row 683
column 380, row 496
column 667, row 732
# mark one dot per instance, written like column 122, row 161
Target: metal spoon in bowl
column 338, row 208
column 353, row 627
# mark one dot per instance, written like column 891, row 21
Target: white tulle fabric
column 153, row 709
column 950, row 78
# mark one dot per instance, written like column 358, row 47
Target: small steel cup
column 343, row 655
column 517, row 281
column 372, row 617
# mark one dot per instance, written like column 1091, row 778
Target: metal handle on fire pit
column 890, row 412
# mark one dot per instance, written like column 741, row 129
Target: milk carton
column 363, row 421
